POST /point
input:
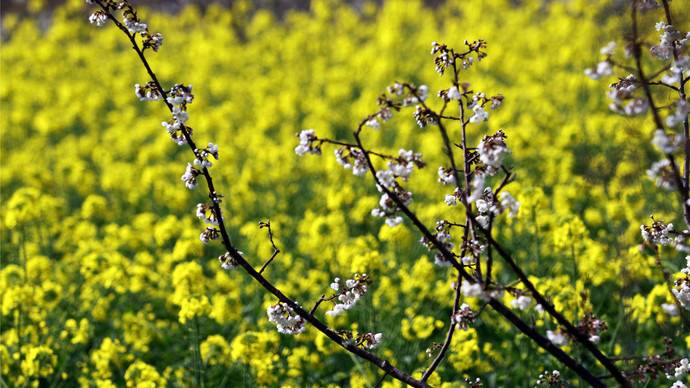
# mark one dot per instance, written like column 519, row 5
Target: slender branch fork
column 382, row 364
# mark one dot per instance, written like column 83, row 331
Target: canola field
column 105, row 282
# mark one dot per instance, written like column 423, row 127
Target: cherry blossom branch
column 495, row 304
column 232, row 252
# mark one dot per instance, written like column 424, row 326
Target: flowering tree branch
column 288, row 315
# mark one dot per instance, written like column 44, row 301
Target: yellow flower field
column 105, row 282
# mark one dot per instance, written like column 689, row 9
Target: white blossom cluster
column 446, row 175
column 679, row 115
column 154, row 41
column 452, row 199
column 623, row 99
column 285, row 319
column 352, row 158
column 677, row 71
column 510, row 203
column 227, row 262
column 492, row 150
column 661, row 172
column 658, row 233
column 190, row 176
column 522, row 302
column 682, row 290
column 99, row 18
column 307, row 143
column 479, row 114
column 148, row 92
column 444, row 58
column 178, row 97
column 463, row 317
column 205, row 213
column 472, row 290
column 387, row 206
column 402, row 166
column 681, row 370
column 444, row 238
column 347, row 294
column 605, row 67
column 593, row 326
column 180, row 94
column 670, row 39
column 370, row 340
column 210, row 233
column 135, row 26
column 557, row 337
column 665, row 143
column 130, row 20
column 203, row 154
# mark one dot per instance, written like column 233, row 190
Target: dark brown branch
column 449, row 336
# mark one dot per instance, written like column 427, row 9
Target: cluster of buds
column 445, row 57
column 489, row 207
column 442, row 236
column 210, row 233
column 659, row 233
column 180, row 95
column 624, row 99
column 398, row 96
column 352, row 158
column 446, row 175
column 656, row 365
column 202, row 155
column 424, row 116
column 550, row 379
column 205, row 213
column 348, row 294
column 365, row 340
column 227, row 262
column 285, row 319
column 464, row 317
column 476, row 383
column 388, row 208
column 308, row 143
column 130, row 20
column 190, row 176
column 681, row 368
column 592, row 326
column 148, row 92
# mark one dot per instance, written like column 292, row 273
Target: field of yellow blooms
column 103, row 278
